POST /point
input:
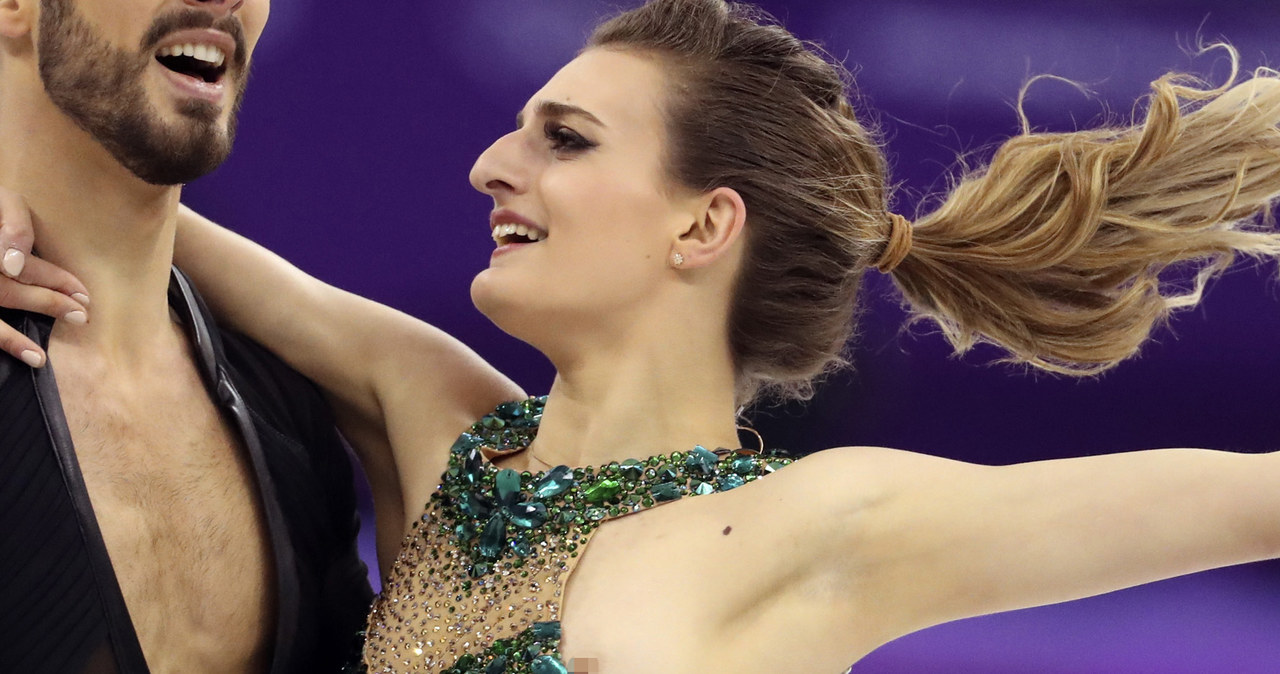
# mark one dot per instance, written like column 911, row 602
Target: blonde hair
column 1059, row 251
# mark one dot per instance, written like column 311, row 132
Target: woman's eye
column 564, row 139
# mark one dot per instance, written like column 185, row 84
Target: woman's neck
column 636, row 404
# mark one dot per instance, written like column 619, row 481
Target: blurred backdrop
column 363, row 120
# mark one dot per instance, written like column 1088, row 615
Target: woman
column 683, row 217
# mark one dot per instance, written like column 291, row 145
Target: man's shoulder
column 272, row 390
column 275, row 394
column 254, row 366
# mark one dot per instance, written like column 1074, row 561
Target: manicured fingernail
column 77, row 317
column 32, row 358
column 81, row 298
column 13, row 262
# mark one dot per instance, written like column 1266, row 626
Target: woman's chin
column 500, row 303
column 483, row 293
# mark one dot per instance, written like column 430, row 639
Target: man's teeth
column 504, row 231
column 200, row 52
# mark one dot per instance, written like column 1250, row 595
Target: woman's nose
column 497, row 169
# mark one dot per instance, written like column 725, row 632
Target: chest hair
column 179, row 511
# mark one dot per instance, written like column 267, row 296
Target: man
column 172, row 499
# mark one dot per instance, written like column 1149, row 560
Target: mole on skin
column 727, row 530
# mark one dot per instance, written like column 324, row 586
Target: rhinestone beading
column 477, row 585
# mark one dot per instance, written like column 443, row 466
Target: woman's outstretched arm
column 904, row 541
column 401, row 388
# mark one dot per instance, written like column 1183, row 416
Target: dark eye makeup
column 564, row 139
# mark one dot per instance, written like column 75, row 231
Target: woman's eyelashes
column 564, row 139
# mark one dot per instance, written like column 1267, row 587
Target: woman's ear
column 17, row 18
column 718, row 223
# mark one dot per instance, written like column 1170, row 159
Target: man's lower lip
column 213, row 92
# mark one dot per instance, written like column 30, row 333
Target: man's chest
column 180, row 516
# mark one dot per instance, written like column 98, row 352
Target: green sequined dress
column 476, row 587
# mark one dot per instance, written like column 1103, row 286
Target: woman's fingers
column 19, row 346
column 36, row 299
column 15, row 295
column 16, row 234
column 17, row 237
column 13, row 262
column 30, row 284
column 37, row 272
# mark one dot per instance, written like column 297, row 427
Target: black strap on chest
column 61, row 608
column 208, row 348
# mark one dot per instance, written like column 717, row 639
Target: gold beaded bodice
column 477, row 585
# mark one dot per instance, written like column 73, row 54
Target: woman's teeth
column 503, row 232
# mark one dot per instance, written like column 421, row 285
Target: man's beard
column 101, row 88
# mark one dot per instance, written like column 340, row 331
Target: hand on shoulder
column 29, row 283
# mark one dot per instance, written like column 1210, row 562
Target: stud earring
column 677, row 259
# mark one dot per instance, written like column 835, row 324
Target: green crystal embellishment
column 602, row 491
column 701, row 460
column 742, row 465
column 465, row 443
column 528, row 515
column 548, row 665
column 508, row 485
column 667, row 491
column 631, row 469
column 728, row 482
column 546, row 630
column 495, row 533
column 556, row 482
column 505, row 519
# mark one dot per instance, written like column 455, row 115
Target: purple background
column 361, row 125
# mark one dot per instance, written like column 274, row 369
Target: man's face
column 158, row 83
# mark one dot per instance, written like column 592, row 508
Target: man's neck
column 97, row 220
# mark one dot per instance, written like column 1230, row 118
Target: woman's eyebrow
column 554, row 109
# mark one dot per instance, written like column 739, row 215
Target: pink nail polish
column 32, row 358
column 13, row 262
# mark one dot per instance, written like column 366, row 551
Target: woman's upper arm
column 316, row 328
column 928, row 540
column 388, row 370
column 429, row 387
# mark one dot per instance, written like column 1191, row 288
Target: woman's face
column 582, row 176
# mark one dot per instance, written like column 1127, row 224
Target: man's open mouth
column 199, row 61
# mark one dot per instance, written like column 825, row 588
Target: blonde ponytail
column 1067, row 250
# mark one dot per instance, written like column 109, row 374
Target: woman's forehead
column 622, row 91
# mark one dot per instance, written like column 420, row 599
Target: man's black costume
column 61, row 609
